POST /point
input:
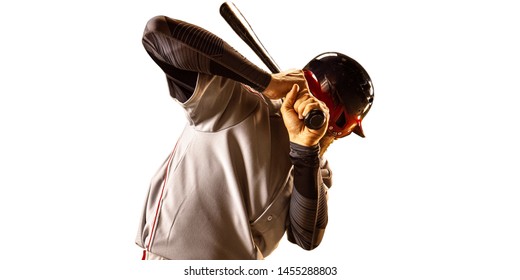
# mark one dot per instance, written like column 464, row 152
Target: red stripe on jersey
column 165, row 178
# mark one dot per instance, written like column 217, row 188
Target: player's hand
column 297, row 104
column 282, row 82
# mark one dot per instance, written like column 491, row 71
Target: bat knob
column 315, row 119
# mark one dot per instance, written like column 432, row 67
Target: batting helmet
column 345, row 87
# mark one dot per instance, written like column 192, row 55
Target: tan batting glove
column 282, row 82
column 297, row 104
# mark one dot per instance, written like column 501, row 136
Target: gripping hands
column 297, row 104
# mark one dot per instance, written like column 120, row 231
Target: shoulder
column 218, row 103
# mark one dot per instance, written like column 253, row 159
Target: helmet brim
column 359, row 131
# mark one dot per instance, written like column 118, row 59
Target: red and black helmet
column 345, row 87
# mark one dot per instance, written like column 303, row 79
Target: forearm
column 186, row 47
column 308, row 209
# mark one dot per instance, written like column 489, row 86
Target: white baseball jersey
column 224, row 191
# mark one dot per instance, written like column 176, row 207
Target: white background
column 432, row 192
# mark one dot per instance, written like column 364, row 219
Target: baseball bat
column 236, row 20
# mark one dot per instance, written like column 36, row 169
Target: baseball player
column 245, row 170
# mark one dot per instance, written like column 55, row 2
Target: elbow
column 318, row 237
column 312, row 243
column 157, row 24
column 310, row 247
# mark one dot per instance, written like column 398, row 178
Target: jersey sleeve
column 183, row 50
column 308, row 214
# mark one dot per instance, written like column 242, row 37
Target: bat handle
column 315, row 119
